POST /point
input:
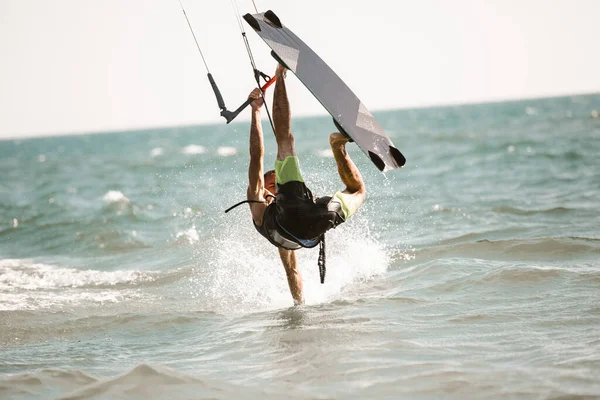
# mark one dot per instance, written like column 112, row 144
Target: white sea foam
column 115, row 197
column 32, row 301
column 531, row 111
column 27, row 275
column 27, row 285
column 226, row 151
column 157, row 151
column 193, row 149
column 326, row 153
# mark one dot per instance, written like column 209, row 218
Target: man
column 283, row 209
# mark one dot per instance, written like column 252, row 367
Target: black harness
column 294, row 220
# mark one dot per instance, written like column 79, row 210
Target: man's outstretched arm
column 255, row 169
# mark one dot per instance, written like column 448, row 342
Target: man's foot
column 336, row 138
column 281, row 71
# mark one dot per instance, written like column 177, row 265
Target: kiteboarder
column 284, row 210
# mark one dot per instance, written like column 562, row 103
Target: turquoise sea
column 471, row 273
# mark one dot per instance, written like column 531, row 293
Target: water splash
column 244, row 273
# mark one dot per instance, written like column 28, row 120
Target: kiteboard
column 350, row 115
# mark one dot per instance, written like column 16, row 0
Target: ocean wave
column 27, row 275
column 440, row 208
column 519, row 211
column 591, row 276
column 57, row 300
column 469, row 318
column 490, row 278
column 39, row 325
column 117, row 202
column 493, row 275
column 135, row 382
column 571, row 155
column 141, row 382
column 523, row 274
column 33, row 380
column 93, row 234
column 405, row 300
column 27, row 285
column 519, row 249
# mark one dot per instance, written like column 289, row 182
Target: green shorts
column 288, row 170
column 344, row 199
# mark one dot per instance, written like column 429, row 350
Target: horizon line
column 141, row 128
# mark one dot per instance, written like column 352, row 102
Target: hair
column 269, row 173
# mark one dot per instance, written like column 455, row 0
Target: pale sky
column 76, row 66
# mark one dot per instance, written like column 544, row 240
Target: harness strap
column 321, row 261
column 247, row 201
column 242, row 202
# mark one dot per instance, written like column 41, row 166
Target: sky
column 80, row 66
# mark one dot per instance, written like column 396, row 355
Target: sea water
column 473, row 272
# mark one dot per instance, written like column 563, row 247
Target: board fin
column 252, row 22
column 273, row 19
column 399, row 158
column 376, row 160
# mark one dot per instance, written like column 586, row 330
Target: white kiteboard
column 349, row 114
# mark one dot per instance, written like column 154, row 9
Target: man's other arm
column 255, row 169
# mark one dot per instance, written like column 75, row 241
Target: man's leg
column 286, row 171
column 282, row 117
column 354, row 194
column 288, row 258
